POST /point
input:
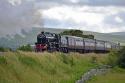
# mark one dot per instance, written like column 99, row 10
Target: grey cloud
column 51, row 3
column 122, row 15
column 102, row 2
column 110, row 20
column 13, row 18
column 64, row 24
column 46, row 4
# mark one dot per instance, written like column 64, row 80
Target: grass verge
column 31, row 67
column 116, row 75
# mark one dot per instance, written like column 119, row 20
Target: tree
column 77, row 33
column 117, row 58
column 3, row 49
column 25, row 48
column 113, row 58
column 121, row 59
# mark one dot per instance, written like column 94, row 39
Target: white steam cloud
column 16, row 15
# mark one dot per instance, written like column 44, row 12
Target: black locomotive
column 65, row 43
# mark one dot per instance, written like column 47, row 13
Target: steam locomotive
column 65, row 43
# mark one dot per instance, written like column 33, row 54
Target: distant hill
column 118, row 33
column 30, row 37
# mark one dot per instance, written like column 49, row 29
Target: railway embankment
column 31, row 67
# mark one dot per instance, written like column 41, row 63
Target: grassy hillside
column 30, row 67
column 116, row 75
column 108, row 36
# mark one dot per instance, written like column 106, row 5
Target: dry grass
column 31, row 67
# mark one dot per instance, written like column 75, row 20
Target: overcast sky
column 91, row 15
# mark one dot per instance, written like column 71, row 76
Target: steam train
column 65, row 43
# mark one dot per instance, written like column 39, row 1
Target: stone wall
column 93, row 72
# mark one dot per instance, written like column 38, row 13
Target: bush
column 77, row 33
column 67, row 60
column 113, row 58
column 94, row 59
column 117, row 58
column 25, row 48
column 2, row 49
column 121, row 59
column 2, row 60
column 27, row 61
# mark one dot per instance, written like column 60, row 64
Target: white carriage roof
column 89, row 39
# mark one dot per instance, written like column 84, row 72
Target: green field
column 116, row 75
column 30, row 67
